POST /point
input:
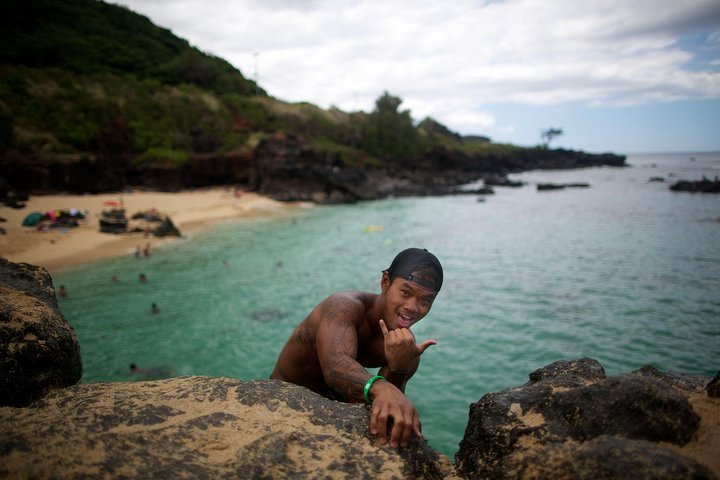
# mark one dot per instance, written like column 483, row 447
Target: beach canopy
column 33, row 219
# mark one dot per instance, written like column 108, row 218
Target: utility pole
column 257, row 62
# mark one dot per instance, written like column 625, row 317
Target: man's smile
column 404, row 321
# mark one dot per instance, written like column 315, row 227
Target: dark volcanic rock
column 288, row 169
column 166, row 229
column 577, row 371
column 38, row 349
column 576, row 418
column 713, row 387
column 699, row 186
column 200, row 427
column 560, row 186
column 550, row 186
column 683, row 381
column 605, row 456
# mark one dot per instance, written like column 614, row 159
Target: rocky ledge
column 569, row 421
column 199, row 427
column 572, row 421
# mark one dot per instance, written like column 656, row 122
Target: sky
column 625, row 76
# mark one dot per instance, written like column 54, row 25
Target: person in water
column 329, row 351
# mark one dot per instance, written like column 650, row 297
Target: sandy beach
column 190, row 211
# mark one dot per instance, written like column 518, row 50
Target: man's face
column 406, row 303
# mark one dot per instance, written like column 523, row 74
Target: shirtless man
column 346, row 333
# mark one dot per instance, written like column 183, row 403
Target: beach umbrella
column 33, row 219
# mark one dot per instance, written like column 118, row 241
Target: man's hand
column 401, row 351
column 389, row 402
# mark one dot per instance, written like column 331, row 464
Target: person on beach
column 329, row 351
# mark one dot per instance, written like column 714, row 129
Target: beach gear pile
column 55, row 219
column 113, row 221
column 150, row 221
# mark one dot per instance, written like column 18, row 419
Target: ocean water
column 626, row 272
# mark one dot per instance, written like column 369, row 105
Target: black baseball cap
column 418, row 266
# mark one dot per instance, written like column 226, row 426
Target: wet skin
column 351, row 331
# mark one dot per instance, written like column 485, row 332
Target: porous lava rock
column 572, row 421
column 713, row 387
column 38, row 349
column 201, row 427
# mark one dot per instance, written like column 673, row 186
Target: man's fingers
column 381, row 426
column 374, row 422
column 417, row 426
column 424, row 346
column 383, row 327
column 406, row 432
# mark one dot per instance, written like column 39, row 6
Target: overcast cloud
column 459, row 60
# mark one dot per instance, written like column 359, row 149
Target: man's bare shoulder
column 350, row 305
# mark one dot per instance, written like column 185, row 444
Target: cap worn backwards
column 418, row 266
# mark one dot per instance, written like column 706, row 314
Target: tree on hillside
column 389, row 132
column 549, row 134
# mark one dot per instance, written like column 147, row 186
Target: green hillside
column 84, row 76
column 95, row 97
column 93, row 37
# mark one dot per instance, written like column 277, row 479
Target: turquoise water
column 626, row 272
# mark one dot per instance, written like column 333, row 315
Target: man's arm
column 397, row 379
column 337, row 347
column 337, row 351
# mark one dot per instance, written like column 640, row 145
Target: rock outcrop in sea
column 704, row 185
column 569, row 421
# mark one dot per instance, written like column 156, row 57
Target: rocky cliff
column 284, row 167
column 288, row 168
column 569, row 421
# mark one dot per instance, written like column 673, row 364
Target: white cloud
column 452, row 60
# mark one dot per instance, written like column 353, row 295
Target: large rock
column 571, row 421
column 38, row 349
column 713, row 387
column 200, row 427
column 705, row 185
column 289, row 169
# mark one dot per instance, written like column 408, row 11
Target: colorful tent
column 33, row 219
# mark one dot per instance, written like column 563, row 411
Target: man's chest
column 371, row 353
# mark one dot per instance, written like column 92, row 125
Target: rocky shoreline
column 287, row 168
column 570, row 420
